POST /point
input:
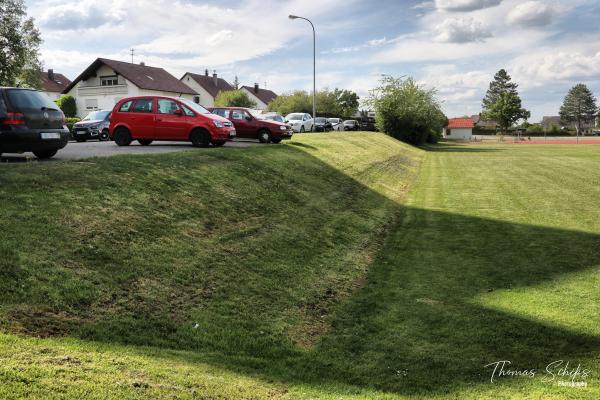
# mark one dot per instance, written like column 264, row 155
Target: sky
column 454, row 46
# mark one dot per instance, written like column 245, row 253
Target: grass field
column 301, row 271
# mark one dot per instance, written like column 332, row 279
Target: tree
column 407, row 111
column 298, row 101
column 502, row 102
column 234, row 98
column 334, row 103
column 579, row 106
column 347, row 101
column 19, row 46
column 68, row 105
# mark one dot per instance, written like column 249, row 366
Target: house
column 555, row 121
column 53, row 83
column 262, row 97
column 459, row 129
column 484, row 123
column 207, row 87
column 105, row 82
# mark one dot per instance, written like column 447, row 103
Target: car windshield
column 24, row 99
column 195, row 106
column 294, row 117
column 96, row 116
column 321, row 120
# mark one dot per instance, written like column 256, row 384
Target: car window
column 187, row 111
column 126, row 107
column 2, row 107
column 25, row 99
column 143, row 106
column 247, row 114
column 237, row 114
column 167, row 106
column 222, row 112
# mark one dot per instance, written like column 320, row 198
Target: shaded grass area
column 338, row 289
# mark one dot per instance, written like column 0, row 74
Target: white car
column 337, row 124
column 300, row 122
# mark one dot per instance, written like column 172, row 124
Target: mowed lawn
column 301, row 271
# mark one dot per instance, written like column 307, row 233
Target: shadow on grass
column 446, row 147
column 411, row 328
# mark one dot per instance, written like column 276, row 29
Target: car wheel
column 104, row 135
column 144, row 142
column 45, row 154
column 264, row 136
column 200, row 138
column 302, row 129
column 276, row 141
column 122, row 137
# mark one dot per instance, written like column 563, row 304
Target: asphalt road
column 78, row 151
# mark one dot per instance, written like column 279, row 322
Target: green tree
column 502, row 102
column 334, row 103
column 407, row 111
column 298, row 101
column 234, row 98
column 579, row 106
column 68, row 105
column 19, row 46
column 347, row 101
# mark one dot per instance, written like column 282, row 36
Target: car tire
column 264, row 136
column 144, row 142
column 276, row 141
column 302, row 129
column 122, row 137
column 104, row 136
column 45, row 154
column 200, row 138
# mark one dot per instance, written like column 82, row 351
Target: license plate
column 50, row 135
column 80, row 132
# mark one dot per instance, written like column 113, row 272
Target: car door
column 242, row 125
column 142, row 119
column 170, row 122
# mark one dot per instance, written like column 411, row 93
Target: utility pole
column 132, row 51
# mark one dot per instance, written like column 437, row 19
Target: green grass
column 301, row 271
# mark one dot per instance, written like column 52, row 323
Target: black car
column 30, row 121
column 351, row 125
column 368, row 124
column 93, row 126
column 323, row 125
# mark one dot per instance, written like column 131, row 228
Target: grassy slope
column 494, row 257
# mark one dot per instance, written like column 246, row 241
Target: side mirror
column 248, row 118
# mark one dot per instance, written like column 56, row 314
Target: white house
column 207, row 87
column 105, row 82
column 262, row 97
column 54, row 83
column 459, row 129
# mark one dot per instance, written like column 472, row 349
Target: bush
column 68, row 105
column 535, row 129
column 70, row 122
column 234, row 98
column 407, row 111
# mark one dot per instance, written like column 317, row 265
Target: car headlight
column 94, row 127
column 218, row 123
column 283, row 128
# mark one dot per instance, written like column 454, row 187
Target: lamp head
column 293, row 17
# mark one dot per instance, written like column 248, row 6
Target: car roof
column 231, row 108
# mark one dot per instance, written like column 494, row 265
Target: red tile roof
column 460, row 123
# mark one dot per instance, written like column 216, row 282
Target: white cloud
column 532, row 13
column 560, row 65
column 461, row 30
column 465, row 5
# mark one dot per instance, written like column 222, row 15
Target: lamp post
column 314, row 114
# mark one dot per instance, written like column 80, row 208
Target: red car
column 148, row 118
column 250, row 127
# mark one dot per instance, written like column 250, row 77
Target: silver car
column 93, row 126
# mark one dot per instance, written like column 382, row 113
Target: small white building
column 207, row 87
column 105, row 82
column 459, row 129
column 54, row 83
column 262, row 97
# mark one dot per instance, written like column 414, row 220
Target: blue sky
column 455, row 46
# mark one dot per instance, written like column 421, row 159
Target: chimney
column 206, row 72
column 51, row 74
column 256, row 88
column 143, row 64
column 215, row 78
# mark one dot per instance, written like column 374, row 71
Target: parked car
column 337, row 124
column 351, row 125
column 322, row 125
column 30, row 121
column 300, row 122
column 149, row 118
column 251, row 127
column 273, row 117
column 368, row 124
column 595, row 133
column 94, row 126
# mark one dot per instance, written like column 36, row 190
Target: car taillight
column 13, row 119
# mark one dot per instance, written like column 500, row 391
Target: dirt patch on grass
column 40, row 321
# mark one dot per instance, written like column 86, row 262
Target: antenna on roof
column 132, row 51
column 265, row 84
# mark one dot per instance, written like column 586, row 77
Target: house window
column 109, row 80
column 91, row 104
column 449, row 132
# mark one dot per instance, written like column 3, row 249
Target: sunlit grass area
column 333, row 266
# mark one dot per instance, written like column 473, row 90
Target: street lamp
column 314, row 115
